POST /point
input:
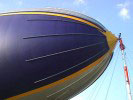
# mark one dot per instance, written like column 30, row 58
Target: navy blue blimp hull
column 37, row 50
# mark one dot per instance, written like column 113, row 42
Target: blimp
column 51, row 53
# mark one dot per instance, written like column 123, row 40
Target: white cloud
column 121, row 5
column 79, row 1
column 124, row 10
column 78, row 97
column 20, row 3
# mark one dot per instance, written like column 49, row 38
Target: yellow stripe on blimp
column 64, row 79
column 54, row 14
column 110, row 43
column 107, row 33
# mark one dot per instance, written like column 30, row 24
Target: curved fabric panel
column 46, row 48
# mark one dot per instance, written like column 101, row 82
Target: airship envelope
column 51, row 54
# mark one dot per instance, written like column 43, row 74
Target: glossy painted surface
column 46, row 48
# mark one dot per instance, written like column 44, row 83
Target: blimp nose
column 111, row 39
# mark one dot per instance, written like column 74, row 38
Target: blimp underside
column 51, row 54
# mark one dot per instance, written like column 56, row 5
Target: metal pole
column 122, row 47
